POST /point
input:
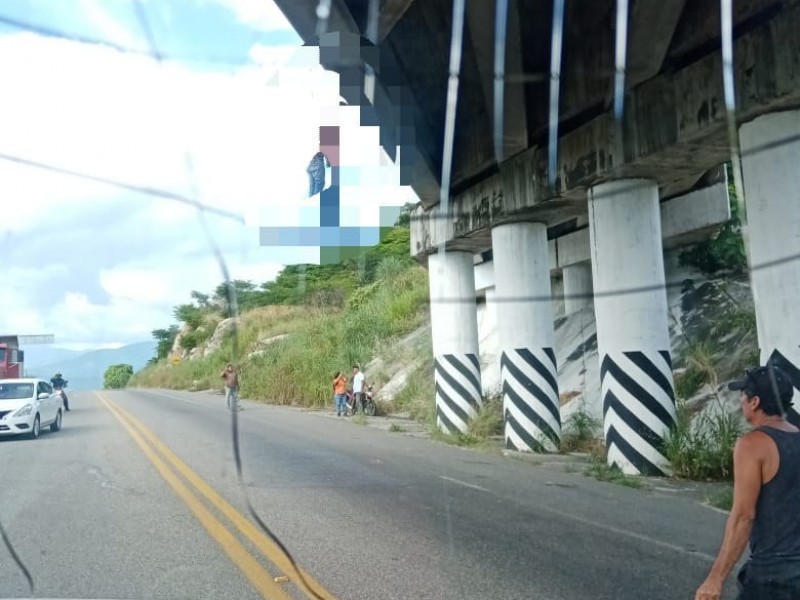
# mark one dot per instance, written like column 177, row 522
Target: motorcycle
column 366, row 400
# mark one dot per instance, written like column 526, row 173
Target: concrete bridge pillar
column 491, row 303
column 454, row 329
column 525, row 323
column 577, row 287
column 770, row 147
column 636, row 384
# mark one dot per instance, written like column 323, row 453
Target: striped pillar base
column 458, row 390
column 793, row 371
column 638, row 409
column 530, row 400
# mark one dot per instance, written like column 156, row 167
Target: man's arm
column 747, row 463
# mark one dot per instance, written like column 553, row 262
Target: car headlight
column 24, row 411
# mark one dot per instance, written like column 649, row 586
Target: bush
column 117, row 376
column 579, row 432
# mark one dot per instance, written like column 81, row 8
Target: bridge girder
column 665, row 38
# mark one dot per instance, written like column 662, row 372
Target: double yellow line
column 269, row 586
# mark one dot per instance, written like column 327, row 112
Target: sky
column 230, row 118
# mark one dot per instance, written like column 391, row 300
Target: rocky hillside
column 294, row 333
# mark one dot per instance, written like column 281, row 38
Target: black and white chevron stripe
column 458, row 390
column 792, row 370
column 530, row 400
column 638, row 409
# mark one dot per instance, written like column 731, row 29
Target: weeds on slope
column 298, row 368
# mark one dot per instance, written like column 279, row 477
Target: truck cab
column 11, row 358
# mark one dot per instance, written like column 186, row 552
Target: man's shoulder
column 754, row 443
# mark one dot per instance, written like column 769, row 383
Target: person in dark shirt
column 59, row 383
column 766, row 496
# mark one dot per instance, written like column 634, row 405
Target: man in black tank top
column 766, row 496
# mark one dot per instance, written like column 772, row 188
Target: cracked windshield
column 400, row 299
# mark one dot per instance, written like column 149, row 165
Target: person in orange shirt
column 339, row 393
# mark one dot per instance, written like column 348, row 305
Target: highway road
column 138, row 497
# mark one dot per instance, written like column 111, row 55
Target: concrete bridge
column 517, row 198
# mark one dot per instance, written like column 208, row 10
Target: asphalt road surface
column 138, row 497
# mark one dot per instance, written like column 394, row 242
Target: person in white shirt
column 358, row 388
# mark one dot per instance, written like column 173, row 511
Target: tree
column 117, row 376
column 189, row 314
column 201, row 299
column 245, row 292
column 164, row 338
column 404, row 219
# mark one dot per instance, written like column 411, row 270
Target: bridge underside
column 673, row 129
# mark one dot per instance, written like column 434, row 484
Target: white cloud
column 249, row 134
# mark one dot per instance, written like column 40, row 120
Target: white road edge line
column 603, row 526
column 465, row 484
column 632, row 534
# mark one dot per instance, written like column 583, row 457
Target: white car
column 27, row 405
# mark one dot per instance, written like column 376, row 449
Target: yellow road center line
column 257, row 537
column 252, row 569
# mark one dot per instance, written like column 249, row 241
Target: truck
column 12, row 359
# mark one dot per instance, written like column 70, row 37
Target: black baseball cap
column 764, row 382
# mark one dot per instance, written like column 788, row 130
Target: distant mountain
column 36, row 355
column 85, row 371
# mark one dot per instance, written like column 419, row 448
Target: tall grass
column 417, row 397
column 700, row 370
column 489, row 420
column 299, row 368
column 701, row 448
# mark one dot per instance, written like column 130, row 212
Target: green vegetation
column 164, row 338
column 600, row 470
column 487, row 424
column 295, row 332
column 735, row 321
column 489, row 420
column 699, row 371
column 117, row 376
column 580, row 433
column 725, row 251
column 416, row 396
column 700, row 447
column 722, row 499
